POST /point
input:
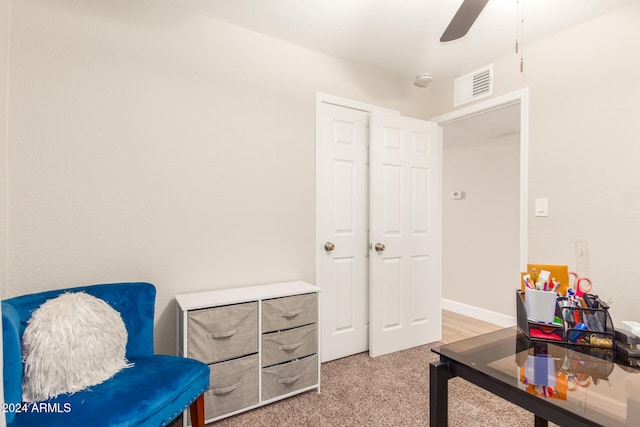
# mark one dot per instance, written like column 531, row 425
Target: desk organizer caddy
column 590, row 327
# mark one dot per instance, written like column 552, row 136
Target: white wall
column 583, row 149
column 150, row 143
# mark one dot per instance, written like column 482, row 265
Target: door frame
column 522, row 97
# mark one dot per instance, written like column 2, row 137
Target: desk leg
column 439, row 376
column 541, row 422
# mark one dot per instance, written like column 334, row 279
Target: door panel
column 405, row 215
column 391, row 281
column 419, row 288
column 343, row 219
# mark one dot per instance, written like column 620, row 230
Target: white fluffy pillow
column 71, row 342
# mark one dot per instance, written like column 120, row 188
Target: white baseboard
column 478, row 313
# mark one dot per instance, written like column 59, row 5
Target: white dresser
column 260, row 342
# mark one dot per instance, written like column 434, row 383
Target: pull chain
column 519, row 30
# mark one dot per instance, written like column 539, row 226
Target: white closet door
column 343, row 223
column 405, row 209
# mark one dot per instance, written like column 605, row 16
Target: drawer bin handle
column 225, row 390
column 224, row 334
column 289, row 380
column 289, row 347
column 292, row 313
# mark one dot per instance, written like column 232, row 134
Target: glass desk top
column 582, row 380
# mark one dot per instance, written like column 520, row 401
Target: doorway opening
column 485, row 206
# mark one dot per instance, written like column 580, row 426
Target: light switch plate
column 542, row 207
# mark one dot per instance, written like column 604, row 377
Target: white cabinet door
column 343, row 221
column 405, row 258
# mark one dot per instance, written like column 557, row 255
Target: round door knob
column 329, row 246
column 379, row 247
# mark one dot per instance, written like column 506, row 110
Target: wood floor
column 456, row 327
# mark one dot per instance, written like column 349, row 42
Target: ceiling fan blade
column 463, row 19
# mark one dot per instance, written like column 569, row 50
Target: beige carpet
column 391, row 390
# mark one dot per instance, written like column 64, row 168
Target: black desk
column 586, row 387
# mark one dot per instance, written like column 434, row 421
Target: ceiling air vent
column 473, row 86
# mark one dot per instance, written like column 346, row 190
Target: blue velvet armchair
column 151, row 393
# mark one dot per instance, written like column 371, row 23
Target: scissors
column 580, row 285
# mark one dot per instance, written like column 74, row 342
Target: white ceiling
column 401, row 37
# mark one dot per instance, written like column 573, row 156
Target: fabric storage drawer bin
column 278, row 347
column 223, row 333
column 289, row 312
column 234, row 385
column 288, row 377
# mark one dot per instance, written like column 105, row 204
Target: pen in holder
column 590, row 324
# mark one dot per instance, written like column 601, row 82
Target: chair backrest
column 134, row 301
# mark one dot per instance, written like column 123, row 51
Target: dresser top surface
column 196, row 300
